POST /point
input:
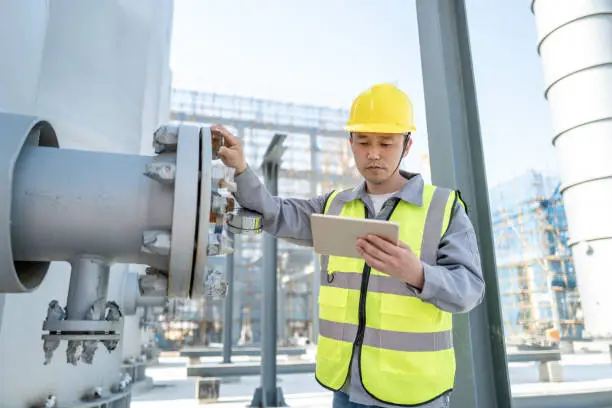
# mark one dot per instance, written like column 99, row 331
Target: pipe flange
column 18, row 132
column 201, row 258
column 245, row 222
column 184, row 215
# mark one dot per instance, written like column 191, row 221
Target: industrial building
column 537, row 279
column 317, row 159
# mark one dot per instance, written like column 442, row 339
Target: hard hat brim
column 378, row 128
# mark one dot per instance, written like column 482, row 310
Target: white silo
column 575, row 47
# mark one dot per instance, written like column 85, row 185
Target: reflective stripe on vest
column 407, row 355
column 399, row 341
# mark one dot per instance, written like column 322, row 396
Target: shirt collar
column 411, row 192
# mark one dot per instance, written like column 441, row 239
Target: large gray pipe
column 575, row 47
column 70, row 202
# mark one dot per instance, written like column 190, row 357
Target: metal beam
column 205, row 119
column 268, row 394
column 248, row 369
column 457, row 162
column 337, row 179
column 240, row 351
column 2, row 299
column 541, row 356
column 228, row 318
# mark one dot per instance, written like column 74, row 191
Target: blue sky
column 326, row 52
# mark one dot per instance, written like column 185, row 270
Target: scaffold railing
column 257, row 113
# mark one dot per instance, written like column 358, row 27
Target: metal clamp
column 245, row 222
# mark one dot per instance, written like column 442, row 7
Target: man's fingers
column 229, row 139
column 402, row 244
column 372, row 261
column 382, row 244
column 373, row 250
column 223, row 153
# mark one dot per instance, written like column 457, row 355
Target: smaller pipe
column 150, row 301
column 88, row 285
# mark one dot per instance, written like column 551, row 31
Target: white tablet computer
column 337, row 236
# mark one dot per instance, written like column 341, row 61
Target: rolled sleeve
column 455, row 284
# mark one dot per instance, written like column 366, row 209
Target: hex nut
column 162, row 172
column 156, row 242
column 165, row 138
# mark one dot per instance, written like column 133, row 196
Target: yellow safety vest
column 406, row 355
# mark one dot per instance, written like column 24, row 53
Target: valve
column 148, row 290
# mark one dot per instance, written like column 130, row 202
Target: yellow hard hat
column 382, row 108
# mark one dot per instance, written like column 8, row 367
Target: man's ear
column 407, row 149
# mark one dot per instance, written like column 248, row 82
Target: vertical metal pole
column 228, row 318
column 316, row 279
column 2, row 298
column 269, row 395
column 457, row 162
column 269, row 311
column 282, row 305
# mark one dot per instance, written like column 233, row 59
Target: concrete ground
column 173, row 388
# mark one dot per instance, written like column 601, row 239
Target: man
column 385, row 321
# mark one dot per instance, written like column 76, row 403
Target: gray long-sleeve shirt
column 454, row 284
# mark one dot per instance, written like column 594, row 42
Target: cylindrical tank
column 84, row 66
column 23, row 25
column 575, row 47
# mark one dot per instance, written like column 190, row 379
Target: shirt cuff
column 248, row 172
column 431, row 282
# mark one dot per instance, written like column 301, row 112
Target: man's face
column 377, row 155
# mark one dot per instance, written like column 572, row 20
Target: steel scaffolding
column 535, row 266
column 317, row 159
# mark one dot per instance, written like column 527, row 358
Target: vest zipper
column 362, row 306
column 365, row 278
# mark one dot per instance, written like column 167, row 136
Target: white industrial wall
column 97, row 71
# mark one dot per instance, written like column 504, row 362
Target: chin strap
column 406, row 140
